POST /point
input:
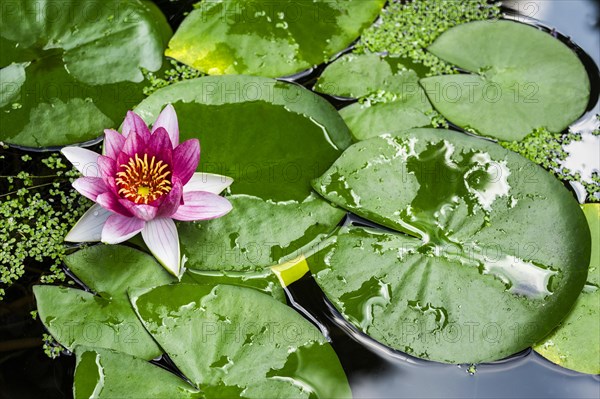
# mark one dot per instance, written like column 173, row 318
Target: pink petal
column 111, row 185
column 123, row 158
column 110, row 201
column 133, row 123
column 201, row 205
column 168, row 120
column 113, row 143
column 119, row 228
column 90, row 187
column 185, row 160
column 160, row 235
column 160, row 146
column 140, row 211
column 172, row 201
column 108, row 171
column 207, row 182
column 134, row 144
column 85, row 161
column 89, row 227
column 107, row 166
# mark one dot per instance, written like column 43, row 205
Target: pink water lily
column 144, row 182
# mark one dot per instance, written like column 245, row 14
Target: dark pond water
column 374, row 370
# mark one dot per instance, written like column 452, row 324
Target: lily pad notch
column 520, row 79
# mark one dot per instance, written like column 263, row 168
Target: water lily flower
column 144, row 182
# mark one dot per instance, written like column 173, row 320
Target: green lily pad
column 257, row 233
column 264, row 281
column 386, row 114
column 574, row 343
column 522, row 79
column 268, row 38
column 491, row 230
column 354, row 76
column 102, row 373
column 243, row 340
column 73, row 68
column 272, row 138
column 105, row 320
column 360, row 75
column 390, row 97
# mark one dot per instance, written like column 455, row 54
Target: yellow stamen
column 143, row 180
column 143, row 191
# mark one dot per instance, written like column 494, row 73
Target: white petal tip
column 84, row 160
column 173, row 269
column 210, row 182
column 160, row 235
column 89, row 227
column 68, row 152
column 71, row 239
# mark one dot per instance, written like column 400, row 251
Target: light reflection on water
column 578, row 19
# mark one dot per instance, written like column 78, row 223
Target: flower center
column 143, row 180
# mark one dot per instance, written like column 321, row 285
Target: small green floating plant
column 177, row 73
column 407, row 28
column 36, row 213
column 547, row 149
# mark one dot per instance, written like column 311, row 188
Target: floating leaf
column 242, row 340
column 102, row 373
column 359, row 75
column 354, row 76
column 376, row 116
column 273, row 138
column 522, row 79
column 264, row 281
column 105, row 319
column 574, row 343
column 469, row 203
column 257, row 233
column 268, row 38
column 437, row 306
column 391, row 98
column 73, row 68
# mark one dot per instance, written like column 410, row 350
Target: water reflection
column 578, row 19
